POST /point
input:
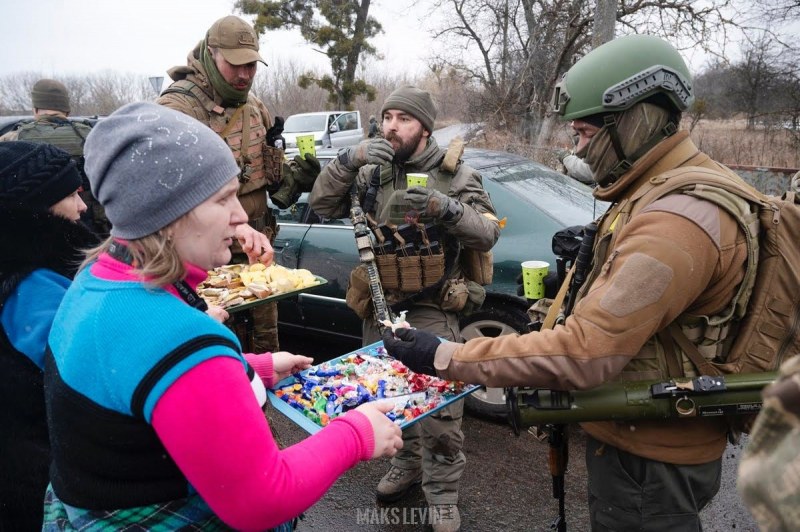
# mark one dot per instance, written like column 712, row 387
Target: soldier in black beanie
column 39, row 253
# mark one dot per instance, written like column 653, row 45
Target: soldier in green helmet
column 673, row 263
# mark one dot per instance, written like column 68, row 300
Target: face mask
column 635, row 127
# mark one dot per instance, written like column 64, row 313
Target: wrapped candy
column 330, row 389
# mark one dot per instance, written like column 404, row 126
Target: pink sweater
column 218, row 436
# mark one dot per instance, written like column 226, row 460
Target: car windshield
column 302, row 123
column 561, row 197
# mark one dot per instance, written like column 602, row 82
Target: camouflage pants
column 434, row 443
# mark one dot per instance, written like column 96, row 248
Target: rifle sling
column 552, row 313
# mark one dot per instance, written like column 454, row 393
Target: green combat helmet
column 620, row 73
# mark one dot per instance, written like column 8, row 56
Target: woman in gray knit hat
column 155, row 412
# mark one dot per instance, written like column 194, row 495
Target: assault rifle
column 366, row 254
column 556, row 431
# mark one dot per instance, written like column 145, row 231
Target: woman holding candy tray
column 155, row 413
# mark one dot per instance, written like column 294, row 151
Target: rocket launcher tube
column 731, row 394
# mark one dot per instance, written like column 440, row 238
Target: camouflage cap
column 235, row 39
column 50, row 94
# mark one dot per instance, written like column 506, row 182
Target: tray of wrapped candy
column 313, row 397
column 236, row 287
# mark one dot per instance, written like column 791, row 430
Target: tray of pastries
column 236, row 287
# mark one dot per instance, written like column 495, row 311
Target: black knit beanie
column 36, row 176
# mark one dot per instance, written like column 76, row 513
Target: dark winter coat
column 28, row 241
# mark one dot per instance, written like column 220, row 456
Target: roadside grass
column 726, row 141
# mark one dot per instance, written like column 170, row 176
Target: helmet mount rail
column 654, row 80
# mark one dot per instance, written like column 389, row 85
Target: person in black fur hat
column 40, row 245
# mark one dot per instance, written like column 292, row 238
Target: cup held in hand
column 417, row 180
column 533, row 274
column 305, row 144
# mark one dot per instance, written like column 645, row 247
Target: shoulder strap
column 452, row 157
column 77, row 132
column 734, row 197
column 188, row 88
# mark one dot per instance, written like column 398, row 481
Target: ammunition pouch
column 461, row 296
column 477, row 266
column 408, row 263
column 359, row 296
column 273, row 164
column 454, row 295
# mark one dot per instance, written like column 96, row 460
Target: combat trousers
column 435, row 442
column 628, row 492
column 265, row 317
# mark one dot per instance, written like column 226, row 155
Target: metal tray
column 276, row 297
column 311, row 427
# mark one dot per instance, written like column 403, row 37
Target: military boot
column 445, row 518
column 397, row 482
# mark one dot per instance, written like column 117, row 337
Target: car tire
column 494, row 318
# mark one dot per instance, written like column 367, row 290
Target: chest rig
column 413, row 254
column 244, row 131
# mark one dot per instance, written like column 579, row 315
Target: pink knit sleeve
column 263, row 366
column 212, row 426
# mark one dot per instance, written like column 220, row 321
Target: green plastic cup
column 533, row 274
column 305, row 144
column 417, row 180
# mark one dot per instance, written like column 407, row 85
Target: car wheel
column 492, row 320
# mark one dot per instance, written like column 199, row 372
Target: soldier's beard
column 404, row 150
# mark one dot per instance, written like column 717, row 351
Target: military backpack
column 761, row 323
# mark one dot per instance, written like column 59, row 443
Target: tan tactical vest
column 243, row 129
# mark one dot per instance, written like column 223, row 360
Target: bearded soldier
column 214, row 87
column 455, row 207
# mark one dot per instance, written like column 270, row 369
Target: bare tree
column 342, row 28
column 524, row 46
column 92, row 94
column 605, row 20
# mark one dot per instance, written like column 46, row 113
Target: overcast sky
column 147, row 37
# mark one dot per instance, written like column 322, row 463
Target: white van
column 331, row 129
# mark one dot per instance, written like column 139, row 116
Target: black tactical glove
column 275, row 134
column 413, row 347
column 306, row 171
column 434, row 203
column 370, row 151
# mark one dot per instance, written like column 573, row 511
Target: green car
column 535, row 202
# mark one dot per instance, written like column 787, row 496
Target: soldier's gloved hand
column 288, row 193
column 370, row 151
column 306, row 172
column 413, row 347
column 434, row 204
